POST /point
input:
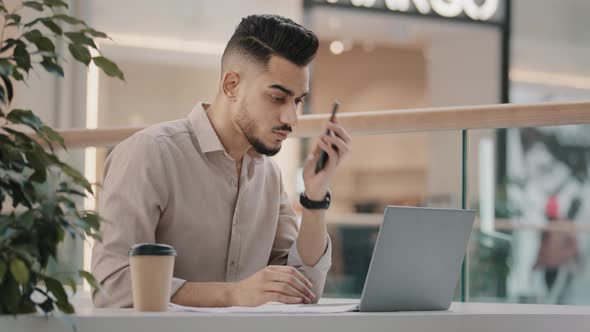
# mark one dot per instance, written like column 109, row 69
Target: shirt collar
column 206, row 135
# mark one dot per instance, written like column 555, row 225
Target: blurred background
column 530, row 185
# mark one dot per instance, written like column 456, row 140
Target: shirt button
column 232, row 263
column 233, row 183
column 234, row 224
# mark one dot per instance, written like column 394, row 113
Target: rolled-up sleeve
column 285, row 250
column 133, row 197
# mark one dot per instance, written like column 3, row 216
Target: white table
column 466, row 317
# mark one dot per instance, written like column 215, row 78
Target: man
column 205, row 186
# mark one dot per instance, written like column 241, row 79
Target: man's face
column 269, row 100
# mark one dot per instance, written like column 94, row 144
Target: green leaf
column 89, row 278
column 18, row 193
column 95, row 236
column 2, row 270
column 38, row 163
column 52, row 67
column 9, row 43
column 55, row 3
column 52, row 26
column 20, row 271
column 95, row 33
column 26, row 306
column 6, row 67
column 33, row 35
column 72, row 283
column 2, row 95
column 57, row 289
column 77, row 177
column 68, row 19
column 80, row 38
column 11, row 296
column 35, row 5
column 65, row 307
column 80, row 53
column 45, row 44
column 92, row 219
column 17, row 75
column 26, row 117
column 53, row 136
column 109, row 67
column 60, row 234
column 8, row 85
column 39, row 176
column 33, row 22
column 26, row 221
column 22, row 57
column 12, row 20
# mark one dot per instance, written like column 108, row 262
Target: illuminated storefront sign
column 477, row 10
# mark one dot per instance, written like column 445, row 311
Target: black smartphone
column 324, row 156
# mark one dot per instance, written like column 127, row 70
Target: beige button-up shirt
column 174, row 183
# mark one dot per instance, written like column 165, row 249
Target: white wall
column 552, row 37
column 462, row 71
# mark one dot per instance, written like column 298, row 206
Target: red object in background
column 552, row 208
column 556, row 247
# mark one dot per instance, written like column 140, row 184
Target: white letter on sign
column 483, row 12
column 447, row 8
column 404, row 5
column 366, row 3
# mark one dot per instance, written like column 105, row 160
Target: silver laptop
column 417, row 259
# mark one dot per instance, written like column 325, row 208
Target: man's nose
column 289, row 115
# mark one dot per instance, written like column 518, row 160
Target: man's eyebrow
column 286, row 90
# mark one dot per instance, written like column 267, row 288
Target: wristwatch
column 315, row 205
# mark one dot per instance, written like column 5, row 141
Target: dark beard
column 261, row 148
column 249, row 128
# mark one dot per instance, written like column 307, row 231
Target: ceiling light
column 336, row 47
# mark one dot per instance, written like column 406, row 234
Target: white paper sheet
column 272, row 308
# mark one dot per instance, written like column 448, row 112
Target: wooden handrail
column 395, row 121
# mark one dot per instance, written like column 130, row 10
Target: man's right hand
column 274, row 283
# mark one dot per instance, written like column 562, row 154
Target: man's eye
column 278, row 100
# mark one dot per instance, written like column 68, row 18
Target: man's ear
column 229, row 84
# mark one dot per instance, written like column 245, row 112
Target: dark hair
column 261, row 36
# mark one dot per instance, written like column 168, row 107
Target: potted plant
column 38, row 191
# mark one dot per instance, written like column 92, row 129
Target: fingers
column 287, row 289
column 342, row 147
column 341, row 143
column 315, row 153
column 292, row 271
column 336, row 128
column 277, row 297
column 289, row 281
column 290, row 276
column 326, row 145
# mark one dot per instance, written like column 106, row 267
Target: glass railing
column 520, row 250
column 406, row 169
column 532, row 190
